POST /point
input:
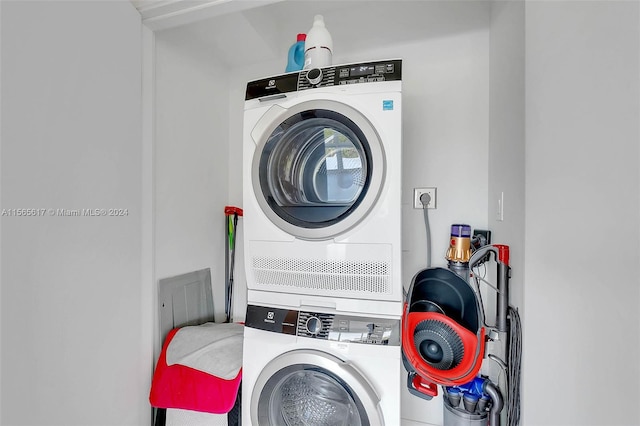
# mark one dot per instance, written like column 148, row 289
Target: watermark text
column 60, row 212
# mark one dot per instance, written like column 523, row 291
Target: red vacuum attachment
column 442, row 332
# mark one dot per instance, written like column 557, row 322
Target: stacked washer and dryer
column 322, row 241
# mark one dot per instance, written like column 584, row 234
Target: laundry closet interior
column 462, row 66
column 531, row 106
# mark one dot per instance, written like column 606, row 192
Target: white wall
column 582, row 326
column 191, row 162
column 73, row 352
column 445, row 145
column 506, row 142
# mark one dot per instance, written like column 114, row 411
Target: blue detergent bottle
column 295, row 61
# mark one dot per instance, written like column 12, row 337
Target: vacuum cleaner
column 444, row 335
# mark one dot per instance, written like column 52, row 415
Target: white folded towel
column 213, row 348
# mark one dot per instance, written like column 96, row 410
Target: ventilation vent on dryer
column 328, row 79
column 325, row 319
column 369, row 277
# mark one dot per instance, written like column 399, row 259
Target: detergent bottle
column 318, row 48
column 295, row 60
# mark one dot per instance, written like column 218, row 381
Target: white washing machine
column 320, row 368
column 322, row 180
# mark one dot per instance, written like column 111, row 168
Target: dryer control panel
column 366, row 72
column 325, row 326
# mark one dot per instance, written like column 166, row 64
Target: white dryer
column 322, row 180
column 320, row 368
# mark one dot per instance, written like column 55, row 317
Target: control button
column 314, row 76
column 343, row 325
column 344, row 72
column 390, row 68
column 314, row 325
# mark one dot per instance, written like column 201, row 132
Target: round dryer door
column 308, row 387
column 319, row 168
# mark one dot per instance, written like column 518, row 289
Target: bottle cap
column 301, row 37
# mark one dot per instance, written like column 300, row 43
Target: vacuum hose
column 494, row 393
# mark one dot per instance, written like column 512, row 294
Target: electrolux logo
column 269, row 318
column 271, row 84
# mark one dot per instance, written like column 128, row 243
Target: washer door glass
column 315, row 169
column 305, row 395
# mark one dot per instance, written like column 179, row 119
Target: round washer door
column 308, row 387
column 318, row 169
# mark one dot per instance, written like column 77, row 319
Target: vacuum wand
column 501, row 253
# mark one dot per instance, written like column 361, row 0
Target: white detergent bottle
column 318, row 46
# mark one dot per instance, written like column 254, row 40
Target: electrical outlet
column 417, row 193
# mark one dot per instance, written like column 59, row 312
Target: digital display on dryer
column 362, row 70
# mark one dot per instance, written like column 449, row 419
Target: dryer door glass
column 315, row 168
column 305, row 394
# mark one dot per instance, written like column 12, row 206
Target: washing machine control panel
column 365, row 72
column 325, row 326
